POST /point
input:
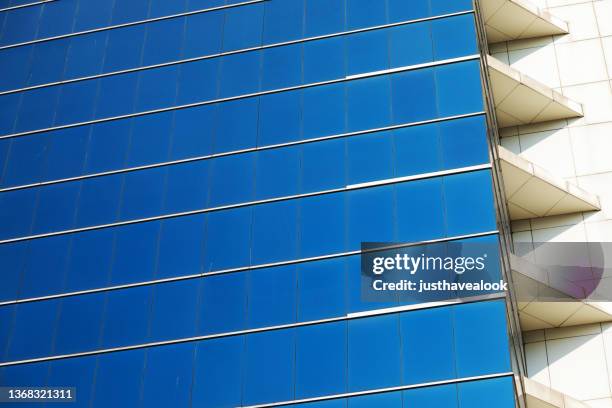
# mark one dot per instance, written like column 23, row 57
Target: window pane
column 203, row 34
column 441, row 396
column 272, row 296
column 45, row 267
column 402, row 10
column 124, row 48
column 366, row 337
column 143, row 193
column 135, row 253
column 454, row 37
column 16, row 213
column 66, row 153
column 232, row 179
column 370, row 157
column 283, row 21
column 198, row 81
column 187, row 187
column 368, row 51
column 414, row 96
column 79, row 323
column 464, row 142
column 459, row 89
column 228, row 238
column 321, row 280
column 127, row 316
column 469, row 203
column 47, row 62
column 175, row 306
column 32, row 320
column 122, row 373
column 364, row 13
column 422, row 145
column 193, row 132
column 90, row 260
column 12, row 259
column 324, row 60
column 240, row 72
column 386, row 400
column 86, row 54
column 279, row 118
column 323, row 165
column 218, row 373
column 269, row 367
column 157, row 88
column 224, row 303
column 369, row 103
column 278, row 172
column 108, row 146
column 116, row 96
column 164, row 39
column 324, row 111
column 181, row 246
column 282, row 66
column 370, row 216
column 56, row 207
column 274, row 232
column 410, row 44
column 243, row 27
column 321, row 360
column 167, row 376
column 498, row 392
column 420, row 219
column 324, row 17
column 78, row 372
column 323, row 224
column 150, row 139
column 99, row 200
column 235, row 134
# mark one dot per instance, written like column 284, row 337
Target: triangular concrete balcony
column 540, row 396
column 507, row 20
column 532, row 192
column 547, row 300
column 521, row 100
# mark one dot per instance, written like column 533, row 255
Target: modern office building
column 185, row 187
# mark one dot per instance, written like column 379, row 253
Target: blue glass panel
column 17, row 212
column 159, row 8
column 90, row 260
column 57, row 18
column 204, row 4
column 235, row 134
column 278, row 172
column 150, row 140
column 324, row 111
column 422, row 145
column 181, row 246
column 469, row 203
column 243, row 27
column 274, row 232
column 157, row 88
column 228, row 239
column 427, row 345
column 66, row 153
column 80, row 323
column 370, row 214
column 441, row 396
column 126, row 321
column 175, row 307
column 410, row 44
column 323, row 165
column 464, row 142
column 420, row 218
column 76, row 102
column 324, row 60
column 324, row 17
column 282, row 67
column 369, row 103
column 203, row 34
column 86, row 54
column 78, row 373
column 117, row 95
column 45, row 266
column 124, row 49
column 283, row 21
column 272, row 296
column 56, row 209
column 368, row 52
column 26, row 159
column 459, row 89
column 122, row 373
column 47, row 63
column 439, row 7
column 37, row 109
column 232, row 179
column 321, row 280
column 240, row 73
column 20, row 25
column 108, row 146
column 454, row 37
column 402, row 10
column 198, row 81
column 366, row 370
column 269, row 367
column 9, row 106
column 488, row 352
column 321, row 361
column 99, row 200
column 133, row 239
column 187, row 187
column 364, row 13
column 322, row 225
column 370, row 157
column 12, row 259
column 14, row 67
column 143, row 194
column 224, row 303
column 218, row 371
column 24, row 376
column 33, row 320
column 498, row 392
column 167, row 376
column 414, row 96
column 193, row 132
column 6, row 323
column 164, row 39
column 279, row 118
column 93, row 14
column 128, row 11
column 386, row 400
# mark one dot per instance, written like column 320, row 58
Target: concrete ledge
column 535, row 287
column 533, row 192
column 540, row 396
column 507, row 20
column 521, row 100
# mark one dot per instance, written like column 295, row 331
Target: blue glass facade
column 185, row 186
